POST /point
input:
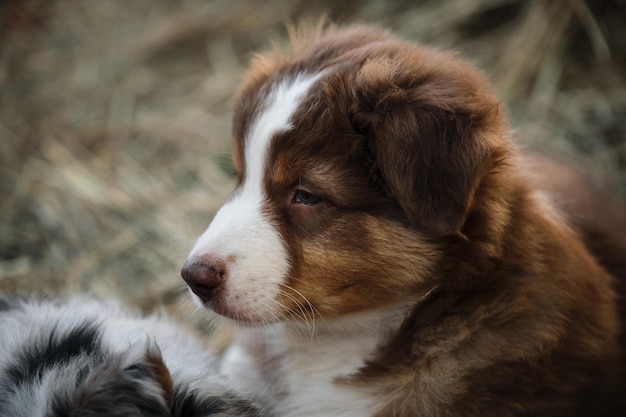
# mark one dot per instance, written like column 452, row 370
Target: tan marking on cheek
column 390, row 266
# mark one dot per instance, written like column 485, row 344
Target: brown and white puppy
column 387, row 250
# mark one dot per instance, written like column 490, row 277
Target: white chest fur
column 296, row 370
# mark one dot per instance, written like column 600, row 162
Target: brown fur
column 425, row 201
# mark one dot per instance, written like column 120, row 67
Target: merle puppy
column 83, row 357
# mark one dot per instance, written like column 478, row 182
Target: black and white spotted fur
column 83, row 357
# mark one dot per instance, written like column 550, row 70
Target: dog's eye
column 306, row 198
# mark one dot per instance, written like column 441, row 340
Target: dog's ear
column 133, row 383
column 433, row 128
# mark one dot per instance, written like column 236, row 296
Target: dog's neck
column 301, row 364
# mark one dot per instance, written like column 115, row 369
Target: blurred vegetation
column 114, row 116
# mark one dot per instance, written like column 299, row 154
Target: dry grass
column 114, row 116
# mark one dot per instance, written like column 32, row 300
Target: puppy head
column 132, row 383
column 356, row 158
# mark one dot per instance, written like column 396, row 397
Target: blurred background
column 115, row 116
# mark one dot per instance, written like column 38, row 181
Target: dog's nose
column 202, row 276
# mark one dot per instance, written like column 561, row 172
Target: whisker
column 314, row 310
column 310, row 312
column 302, row 316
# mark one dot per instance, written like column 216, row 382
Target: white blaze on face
column 240, row 235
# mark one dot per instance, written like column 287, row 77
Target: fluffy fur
column 391, row 254
column 82, row 357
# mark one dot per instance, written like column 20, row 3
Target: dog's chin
column 235, row 314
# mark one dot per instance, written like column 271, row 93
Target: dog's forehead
column 276, row 108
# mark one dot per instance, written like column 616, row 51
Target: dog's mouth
column 237, row 312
